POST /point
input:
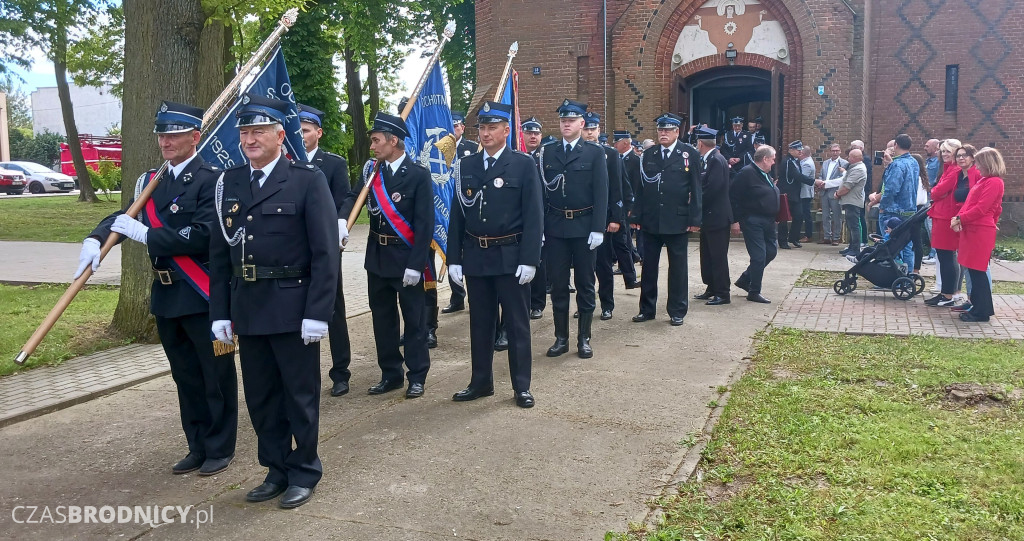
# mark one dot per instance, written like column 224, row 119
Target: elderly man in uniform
column 714, row 231
column 495, row 241
column 463, row 148
column 532, row 137
column 791, row 180
column 175, row 226
column 737, row 143
column 335, row 168
column 755, row 202
column 401, row 207
column 575, row 175
column 274, row 273
column 668, row 209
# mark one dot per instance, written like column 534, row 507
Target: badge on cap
column 564, row 103
column 163, row 107
column 245, row 100
column 396, row 197
column 234, row 208
column 487, row 107
column 498, row 182
column 174, row 208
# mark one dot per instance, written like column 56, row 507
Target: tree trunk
column 88, row 193
column 373, row 87
column 360, row 151
column 164, row 40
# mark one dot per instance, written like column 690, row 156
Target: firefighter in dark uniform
column 760, row 130
column 575, row 176
column 624, row 250
column 401, row 207
column 463, row 148
column 736, row 144
column 791, row 179
column 631, row 163
column 538, row 286
column 274, row 274
column 175, row 228
column 714, row 229
column 335, row 168
column 668, row 208
column 495, row 241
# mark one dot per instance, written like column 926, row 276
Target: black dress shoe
column 452, row 307
column 640, row 318
column 572, row 289
column 704, row 296
column 797, row 244
column 470, row 393
column 501, row 342
column 415, row 390
column 340, row 388
column 264, row 492
column 295, row 496
column 560, row 347
column 536, row 314
column 783, row 246
column 970, row 318
column 633, row 285
column 606, row 315
column 718, row 301
column 524, row 399
column 213, row 466
column 576, row 314
column 431, row 338
column 756, row 297
column 675, row 321
column 743, row 286
column 191, row 462
column 385, row 386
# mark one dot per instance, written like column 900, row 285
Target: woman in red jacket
column 948, row 195
column 977, row 224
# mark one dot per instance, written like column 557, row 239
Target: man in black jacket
column 791, row 178
column 668, row 209
column 463, row 148
column 273, row 278
column 175, row 226
column 755, row 202
column 335, row 168
column 631, row 177
column 532, row 137
column 495, row 241
column 714, row 230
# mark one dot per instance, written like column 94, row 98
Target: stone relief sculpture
column 722, row 24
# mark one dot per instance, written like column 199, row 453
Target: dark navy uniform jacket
column 335, row 168
column 584, row 186
column 185, row 232
column 672, row 204
column 715, row 186
column 412, row 192
column 737, row 146
column 466, row 148
column 792, row 177
column 292, row 222
column 616, row 187
column 630, row 178
column 511, row 203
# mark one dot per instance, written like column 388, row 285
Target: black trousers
column 430, row 308
column 612, row 250
column 487, row 294
column 677, row 273
column 382, row 296
column 458, row 297
column 539, row 288
column 638, row 250
column 787, row 233
column 341, row 347
column 981, row 294
column 714, row 261
column 281, row 378
column 575, row 253
column 949, row 270
column 854, row 215
column 759, row 236
column 916, row 237
column 207, row 384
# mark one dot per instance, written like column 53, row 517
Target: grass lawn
column 52, row 219
column 81, row 330
column 825, row 278
column 829, row 436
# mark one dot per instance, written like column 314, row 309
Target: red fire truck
column 95, row 149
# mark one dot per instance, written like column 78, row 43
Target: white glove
column 411, row 277
column 595, row 240
column 131, row 228
column 90, row 254
column 342, row 232
column 313, row 330
column 526, row 273
column 222, row 331
column 455, row 272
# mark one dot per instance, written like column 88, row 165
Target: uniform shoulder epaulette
column 333, row 154
column 593, row 144
column 210, row 167
column 302, row 165
column 549, row 143
column 417, row 164
column 232, row 168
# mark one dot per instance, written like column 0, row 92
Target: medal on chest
column 499, row 182
column 686, row 161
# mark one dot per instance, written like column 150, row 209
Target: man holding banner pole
column 463, row 148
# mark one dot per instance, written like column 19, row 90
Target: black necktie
column 169, row 176
column 254, row 184
column 490, row 162
column 664, row 154
column 568, row 148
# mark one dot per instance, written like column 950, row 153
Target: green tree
column 98, row 58
column 19, row 114
column 459, row 55
column 43, row 148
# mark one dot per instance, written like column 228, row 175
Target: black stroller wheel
column 852, row 286
column 903, row 288
column 918, row 283
column 840, row 287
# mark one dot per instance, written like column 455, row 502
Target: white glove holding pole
column 411, row 277
column 313, row 330
column 222, row 331
column 342, row 232
column 526, row 273
column 595, row 240
column 90, row 255
column 130, row 227
column 455, row 273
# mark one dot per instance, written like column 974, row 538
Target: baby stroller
column 878, row 264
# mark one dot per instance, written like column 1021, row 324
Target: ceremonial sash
column 194, row 272
column 388, row 209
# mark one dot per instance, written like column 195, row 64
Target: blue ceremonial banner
column 429, row 121
column 510, row 96
column 223, row 148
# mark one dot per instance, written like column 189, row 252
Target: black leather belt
column 384, row 240
column 166, row 276
column 251, row 273
column 570, row 213
column 487, row 242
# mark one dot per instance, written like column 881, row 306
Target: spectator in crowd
column 807, row 167
column 917, row 234
column 933, row 165
column 832, row 171
column 851, row 198
column 755, row 203
column 949, row 195
column 859, row 145
column 976, row 225
column 898, row 196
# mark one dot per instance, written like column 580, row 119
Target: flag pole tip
column 289, row 17
column 514, row 48
column 449, row 29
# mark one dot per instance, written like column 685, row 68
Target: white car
column 41, row 179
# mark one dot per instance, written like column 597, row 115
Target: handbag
column 783, row 215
